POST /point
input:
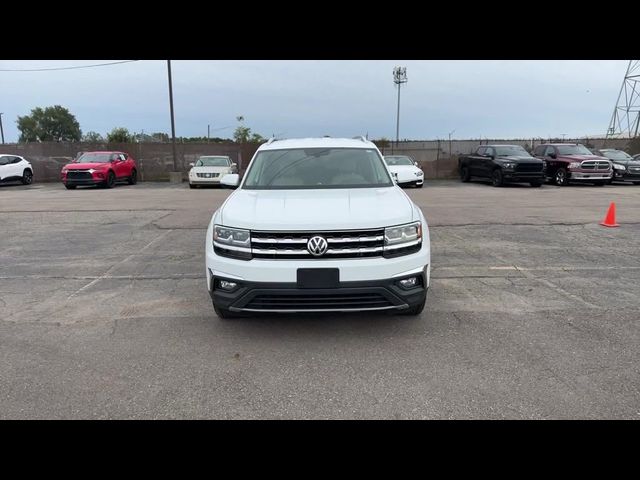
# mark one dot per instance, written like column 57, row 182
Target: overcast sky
column 492, row 99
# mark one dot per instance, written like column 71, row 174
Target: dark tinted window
column 539, row 151
column 511, row 150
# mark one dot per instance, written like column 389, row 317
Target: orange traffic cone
column 610, row 219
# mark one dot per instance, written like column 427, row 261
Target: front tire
column 464, row 174
column 111, row 180
column 133, row 179
column 561, row 179
column 496, row 178
column 27, row 177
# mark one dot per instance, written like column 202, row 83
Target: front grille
column 529, row 167
column 333, row 301
column 596, row 165
column 207, row 175
column 341, row 244
column 78, row 175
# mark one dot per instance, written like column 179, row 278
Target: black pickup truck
column 502, row 164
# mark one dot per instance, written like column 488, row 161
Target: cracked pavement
column 533, row 312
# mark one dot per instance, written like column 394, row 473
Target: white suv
column 317, row 225
column 15, row 168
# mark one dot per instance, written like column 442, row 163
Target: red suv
column 100, row 168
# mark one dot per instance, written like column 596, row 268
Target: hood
column 211, row 169
column 86, row 166
column 325, row 209
column 519, row 159
column 627, row 163
column 582, row 158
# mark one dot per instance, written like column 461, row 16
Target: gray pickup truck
column 502, row 164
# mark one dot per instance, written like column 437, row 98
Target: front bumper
column 285, row 297
column 83, row 181
column 626, row 176
column 514, row 176
column 408, row 183
column 588, row 177
column 204, row 181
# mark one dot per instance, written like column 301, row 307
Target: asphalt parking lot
column 533, row 312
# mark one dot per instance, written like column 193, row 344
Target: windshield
column 213, row 162
column 96, row 157
column 393, row 161
column 573, row 150
column 511, row 151
column 317, row 168
column 617, row 155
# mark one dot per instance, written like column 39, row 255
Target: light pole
column 1, row 129
column 399, row 77
column 173, row 124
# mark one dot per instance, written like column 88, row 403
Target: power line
column 63, row 68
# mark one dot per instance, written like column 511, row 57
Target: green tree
column 119, row 135
column 92, row 137
column 243, row 134
column 51, row 124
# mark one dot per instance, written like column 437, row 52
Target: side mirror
column 234, row 165
column 192, row 164
column 395, row 177
column 230, row 180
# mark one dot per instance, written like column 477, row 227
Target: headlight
column 419, row 174
column 575, row 165
column 617, row 166
column 403, row 239
column 232, row 242
column 508, row 165
column 64, row 170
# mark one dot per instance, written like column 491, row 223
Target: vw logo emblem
column 317, row 246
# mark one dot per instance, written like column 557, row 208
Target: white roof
column 321, row 142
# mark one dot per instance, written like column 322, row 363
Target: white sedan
column 208, row 170
column 15, row 168
column 405, row 169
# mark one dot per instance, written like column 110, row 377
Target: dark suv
column 502, row 164
column 573, row 162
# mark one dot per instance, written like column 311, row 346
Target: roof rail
column 361, row 138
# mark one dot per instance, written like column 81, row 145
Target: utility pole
column 173, row 124
column 1, row 129
column 208, row 132
column 399, row 77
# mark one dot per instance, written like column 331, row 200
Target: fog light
column 408, row 282
column 226, row 285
